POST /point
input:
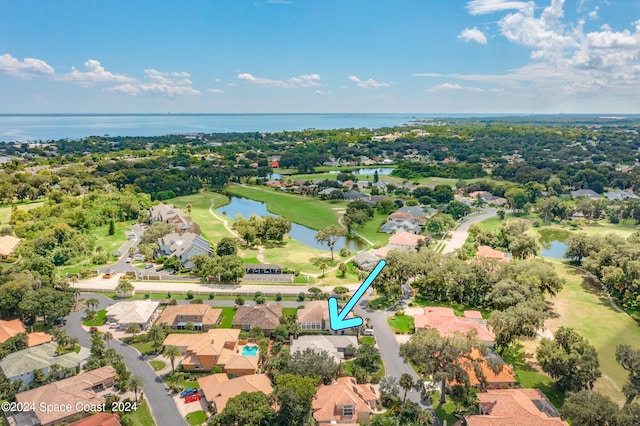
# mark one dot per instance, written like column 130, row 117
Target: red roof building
column 447, row 323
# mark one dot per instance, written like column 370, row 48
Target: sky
column 325, row 56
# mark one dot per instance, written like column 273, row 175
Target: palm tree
column 132, row 328
column 323, row 267
column 107, row 336
column 92, row 303
column 135, row 383
column 156, row 334
column 406, row 383
column 189, row 208
column 172, row 352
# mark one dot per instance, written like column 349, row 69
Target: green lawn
column 5, row 212
column 101, row 318
column 186, row 384
column 196, row 418
column 307, row 211
column 113, row 242
column 601, row 227
column 367, row 340
column 212, row 229
column 370, row 230
column 581, row 306
column 157, row 365
column 290, row 311
column 401, row 323
column 379, row 302
column 227, row 317
column 445, row 412
column 141, row 416
column 145, row 348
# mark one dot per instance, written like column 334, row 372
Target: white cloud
column 215, row 90
column 27, row 68
column 319, row 92
column 481, row 7
column 452, row 86
column 427, row 74
column 95, row 73
column 473, row 34
column 305, row 80
column 162, row 83
column 370, row 83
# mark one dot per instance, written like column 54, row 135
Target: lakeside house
column 489, row 253
column 218, row 389
column 405, row 241
column 183, row 247
column 203, row 317
column 81, row 390
column 344, row 402
column 366, row 260
column 505, row 378
column 166, row 213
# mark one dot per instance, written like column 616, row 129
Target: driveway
column 155, row 391
column 121, row 266
column 394, row 364
column 459, row 235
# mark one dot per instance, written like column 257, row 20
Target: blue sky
column 225, row 56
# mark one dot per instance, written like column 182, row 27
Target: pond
column 382, row 171
column 300, row 233
column 553, row 243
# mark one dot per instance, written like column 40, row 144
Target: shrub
column 212, row 296
column 536, row 224
column 259, row 300
column 173, row 302
column 301, row 297
column 197, row 301
column 240, row 300
column 147, row 295
column 296, row 273
column 190, row 294
column 278, row 297
column 169, row 295
column 345, row 252
column 257, row 294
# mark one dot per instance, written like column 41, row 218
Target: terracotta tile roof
column 210, row 343
column 330, row 399
column 514, row 407
column 7, row 244
column 207, row 314
column 76, row 389
column 218, row 389
column 504, row 377
column 235, row 361
column 405, row 238
column 382, row 251
column 8, row 329
column 315, row 311
column 263, row 316
column 38, row 338
column 447, row 323
column 489, row 253
column 100, row 419
column 401, row 216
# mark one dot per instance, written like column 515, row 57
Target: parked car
column 115, row 253
column 60, row 322
column 113, row 325
column 128, row 259
column 188, row 392
column 192, row 398
column 138, row 257
column 148, row 266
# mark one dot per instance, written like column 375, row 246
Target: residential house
column 9, row 329
column 488, row 198
column 515, row 407
column 8, row 243
column 447, row 323
column 203, row 317
column 22, row 364
column 363, row 184
column 100, row 419
column 166, row 213
column 505, row 378
column 267, row 317
column 414, row 211
column 352, row 195
column 348, row 184
column 183, row 247
column 589, row 193
column 366, row 260
column 76, row 392
column 344, row 402
column 394, row 226
column 620, row 196
column 375, row 199
column 327, row 193
column 338, row 347
column 263, row 268
column 405, row 241
column 382, row 252
column 139, row 312
column 217, row 347
column 489, row 253
column 218, row 389
column 315, row 317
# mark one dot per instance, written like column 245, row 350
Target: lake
column 553, row 243
column 382, row 171
column 300, row 233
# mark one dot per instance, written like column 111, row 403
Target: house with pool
column 217, row 347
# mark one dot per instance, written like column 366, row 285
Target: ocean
column 36, row 127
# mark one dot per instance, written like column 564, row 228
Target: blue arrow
column 337, row 320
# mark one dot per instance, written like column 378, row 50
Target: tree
column 406, row 383
column 389, row 385
column 227, row 247
column 112, row 227
column 135, row 383
column 107, row 337
column 248, row 408
column 92, row 303
column 457, row 210
column 629, row 359
column 343, row 269
column 330, row 235
column 172, row 352
column 132, row 328
column 340, row 291
column 309, row 363
column 354, row 218
column 440, row 223
column 578, row 247
column 521, row 320
column 156, row 335
column 46, row 303
column 569, row 359
column 523, row 247
column 368, row 358
column 323, row 267
column 588, row 408
column 294, row 395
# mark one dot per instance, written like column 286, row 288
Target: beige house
column 344, row 402
column 8, row 243
column 77, row 391
column 140, row 312
column 315, row 317
column 219, row 388
column 203, row 317
column 267, row 317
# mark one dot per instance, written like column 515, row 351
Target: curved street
column 459, row 235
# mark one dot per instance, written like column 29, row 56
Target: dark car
column 188, row 392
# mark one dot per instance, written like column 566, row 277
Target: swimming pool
column 249, row 350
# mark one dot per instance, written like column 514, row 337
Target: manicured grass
column 157, row 365
column 457, row 308
column 144, row 348
column 196, row 418
column 493, row 224
column 186, row 384
column 295, row 256
column 401, row 323
column 602, row 227
column 370, row 230
column 250, row 260
column 141, row 416
column 5, row 212
column 227, row 317
column 290, row 311
column 311, row 212
column 445, row 412
column 581, row 306
column 379, row 303
column 212, row 229
column 101, row 318
column 111, row 243
column 367, row 340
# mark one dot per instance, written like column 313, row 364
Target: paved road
column 394, row 364
column 121, row 266
column 460, row 234
column 160, row 401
